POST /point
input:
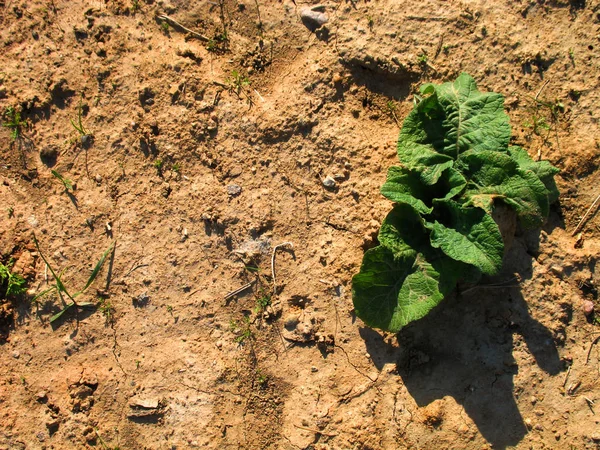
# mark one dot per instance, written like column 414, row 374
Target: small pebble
column 234, row 189
column 16, row 354
column 588, row 307
column 329, row 182
column 98, row 179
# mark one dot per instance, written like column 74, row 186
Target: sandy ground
column 202, row 151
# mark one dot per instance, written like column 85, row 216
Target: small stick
column 177, row 24
column 239, row 290
column 567, row 375
column 541, row 89
column 585, row 216
column 587, row 359
column 323, row 433
column 284, row 244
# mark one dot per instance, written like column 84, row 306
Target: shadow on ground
column 463, row 349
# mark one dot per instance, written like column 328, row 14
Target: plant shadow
column 463, row 349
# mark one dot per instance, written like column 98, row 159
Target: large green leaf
column 455, row 118
column 404, row 278
column 543, row 169
column 495, row 175
column 407, row 186
column 403, row 231
column 469, row 235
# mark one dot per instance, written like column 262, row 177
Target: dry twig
column 177, row 24
column 593, row 207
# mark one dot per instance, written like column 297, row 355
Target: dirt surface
column 200, row 153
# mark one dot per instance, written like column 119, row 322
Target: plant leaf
column 406, row 186
column 470, row 235
column 454, row 119
column 96, row 270
column 60, row 313
column 543, row 169
column 495, row 175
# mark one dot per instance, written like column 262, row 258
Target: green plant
column 68, row 184
column 456, row 170
column 107, row 310
column 10, row 211
column 164, row 26
column 262, row 302
column 243, row 332
column 176, row 167
column 15, row 283
column 423, row 59
column 79, row 124
column 60, row 288
column 158, row 165
column 135, row 6
column 14, row 122
column 237, row 82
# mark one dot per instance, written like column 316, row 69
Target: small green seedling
column 10, row 211
column 107, row 310
column 68, row 301
column 79, row 124
column 68, row 184
column 135, row 6
column 15, row 283
column 237, row 82
column 14, row 122
column 176, row 167
column 262, row 302
column 245, row 332
column 158, row 165
column 164, row 26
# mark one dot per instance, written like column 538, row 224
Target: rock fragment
column 313, row 19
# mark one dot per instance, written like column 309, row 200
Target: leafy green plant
column 456, row 170
column 237, row 82
column 68, row 184
column 68, row 300
column 14, row 122
column 15, row 283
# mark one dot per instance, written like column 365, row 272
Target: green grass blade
column 59, row 314
column 96, row 270
column 41, row 294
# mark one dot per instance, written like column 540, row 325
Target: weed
column 217, row 43
column 15, row 283
column 391, row 109
column 176, row 167
column 107, row 310
column 79, row 124
column 60, row 288
column 137, row 363
column 446, row 48
column 14, row 122
column 164, row 26
column 68, row 184
column 261, row 378
column 11, row 212
column 370, row 22
column 158, row 165
column 170, row 309
column 572, row 56
column 423, row 59
column 262, row 302
column 135, row 6
column 237, row 82
column 537, row 124
column 245, row 332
